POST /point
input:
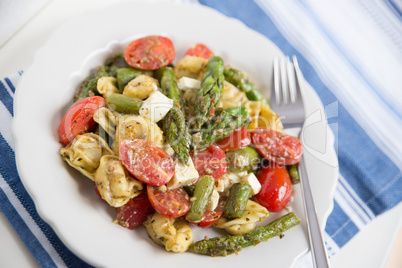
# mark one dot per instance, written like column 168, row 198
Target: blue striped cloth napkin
column 351, row 54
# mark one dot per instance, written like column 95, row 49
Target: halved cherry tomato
column 97, row 192
column 210, row 161
column 150, row 52
column 240, row 138
column 277, row 147
column 276, row 187
column 171, row 203
column 210, row 217
column 135, row 212
column 199, row 50
column 79, row 118
column 146, row 161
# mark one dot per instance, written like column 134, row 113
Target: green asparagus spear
column 125, row 75
column 117, row 60
column 89, row 86
column 294, row 173
column 200, row 198
column 124, row 104
column 220, row 126
column 242, row 82
column 245, row 159
column 174, row 123
column 210, row 93
column 223, row 246
column 169, row 84
column 238, row 196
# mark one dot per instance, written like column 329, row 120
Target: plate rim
column 18, row 96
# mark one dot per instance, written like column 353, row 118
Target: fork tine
column 299, row 75
column 291, row 81
column 277, row 91
column 284, row 80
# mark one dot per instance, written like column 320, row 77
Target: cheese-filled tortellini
column 269, row 118
column 174, row 234
column 191, row 66
column 253, row 108
column 262, row 116
column 141, row 87
column 84, row 153
column 107, row 120
column 253, row 213
column 107, row 86
column 137, row 127
column 114, row 183
column 232, row 96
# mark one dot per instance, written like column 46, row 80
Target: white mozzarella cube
column 213, row 200
column 242, row 174
column 168, row 149
column 226, row 181
column 252, row 180
column 156, row 106
column 186, row 83
column 184, row 174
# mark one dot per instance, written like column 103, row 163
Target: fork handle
column 318, row 251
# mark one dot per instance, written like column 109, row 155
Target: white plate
column 66, row 200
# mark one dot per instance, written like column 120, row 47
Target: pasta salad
column 179, row 146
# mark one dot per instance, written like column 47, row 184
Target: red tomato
column 147, row 162
column 240, row 138
column 79, row 118
column 200, row 50
column 277, row 147
column 97, row 192
column 135, row 212
column 150, row 52
column 276, row 187
column 171, row 203
column 210, row 217
column 210, row 161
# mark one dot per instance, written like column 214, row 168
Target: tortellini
column 137, row 127
column 107, row 86
column 232, row 96
column 106, row 119
column 262, row 116
column 191, row 66
column 253, row 108
column 84, row 153
column 269, row 118
column 141, row 87
column 253, row 213
column 174, row 234
column 113, row 182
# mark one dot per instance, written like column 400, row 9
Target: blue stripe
column 10, row 84
column 9, row 172
column 389, row 27
column 23, row 231
column 394, row 8
column 6, row 98
column 363, row 209
column 7, row 161
column 356, row 164
column 340, row 227
column 347, row 57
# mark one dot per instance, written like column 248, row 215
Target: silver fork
column 287, row 101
